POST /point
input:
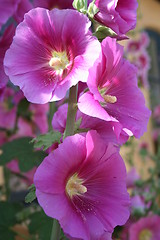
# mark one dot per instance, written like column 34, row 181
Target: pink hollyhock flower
column 7, row 9
column 133, row 46
column 145, row 228
column 5, row 42
column 50, row 4
column 156, row 113
column 82, row 184
column 28, row 176
column 119, row 15
column 105, row 129
column 132, row 177
column 39, row 116
column 144, row 39
column 114, row 95
column 137, row 203
column 23, row 7
column 51, row 51
column 156, row 134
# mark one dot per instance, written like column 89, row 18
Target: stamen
column 75, row 186
column 145, row 234
column 110, row 99
column 59, row 61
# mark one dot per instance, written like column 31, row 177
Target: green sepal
column 31, row 196
column 92, row 9
column 102, row 32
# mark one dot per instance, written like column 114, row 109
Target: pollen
column 145, row 234
column 107, row 98
column 59, row 61
column 110, row 99
column 75, row 186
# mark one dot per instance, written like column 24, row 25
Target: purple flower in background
column 51, row 51
column 83, row 185
column 105, row 129
column 50, row 4
column 132, row 177
column 114, row 95
column 145, row 228
column 23, row 7
column 5, row 42
column 119, row 15
column 7, row 9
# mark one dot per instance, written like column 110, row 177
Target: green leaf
column 31, row 196
column 102, row 32
column 6, row 233
column 23, row 109
column 80, row 5
column 22, row 150
column 46, row 140
column 8, row 214
column 92, row 9
column 41, row 224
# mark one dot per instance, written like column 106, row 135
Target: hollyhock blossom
column 23, row 7
column 39, row 116
column 145, row 228
column 132, row 177
column 105, row 129
column 119, row 15
column 7, row 9
column 137, row 203
column 51, row 51
column 114, row 95
column 50, row 4
column 5, row 42
column 156, row 113
column 82, row 184
column 28, row 176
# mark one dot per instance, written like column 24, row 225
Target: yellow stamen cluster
column 75, row 186
column 59, row 61
column 107, row 98
column 145, row 234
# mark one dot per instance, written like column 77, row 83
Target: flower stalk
column 70, row 124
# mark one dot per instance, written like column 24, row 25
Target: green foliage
column 92, row 9
column 31, row 196
column 6, row 233
column 46, row 140
column 80, row 5
column 41, row 224
column 8, row 219
column 22, row 150
column 102, row 32
column 23, row 109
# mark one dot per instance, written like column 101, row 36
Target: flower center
column 75, row 186
column 59, row 61
column 107, row 98
column 145, row 234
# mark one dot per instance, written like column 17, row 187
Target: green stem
column 71, row 115
column 52, row 110
column 72, row 109
column 56, row 230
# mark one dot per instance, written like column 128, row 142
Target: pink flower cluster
column 137, row 53
column 82, row 183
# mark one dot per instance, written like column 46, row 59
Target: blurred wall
column 148, row 17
